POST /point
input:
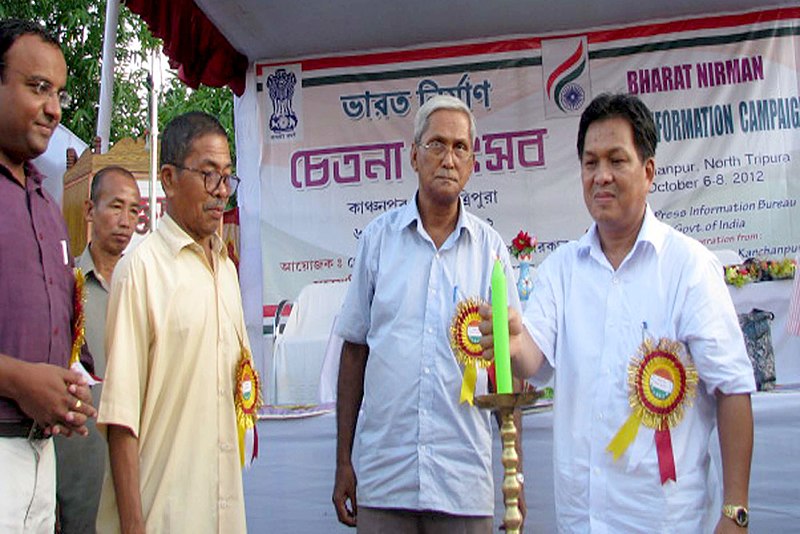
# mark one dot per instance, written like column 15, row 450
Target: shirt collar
column 651, row 232
column 33, row 177
column 177, row 239
column 85, row 262
column 33, row 174
column 410, row 214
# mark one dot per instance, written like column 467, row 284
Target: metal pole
column 107, row 74
column 154, row 88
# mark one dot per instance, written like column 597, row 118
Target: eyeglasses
column 438, row 149
column 43, row 88
column 213, row 179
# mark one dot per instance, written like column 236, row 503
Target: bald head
column 113, row 209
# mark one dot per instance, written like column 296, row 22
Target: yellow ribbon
column 468, row 383
column 242, row 430
column 625, row 436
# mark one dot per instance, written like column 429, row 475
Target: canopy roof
column 213, row 41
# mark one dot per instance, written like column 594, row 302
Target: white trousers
column 27, row 486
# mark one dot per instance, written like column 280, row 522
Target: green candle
column 502, row 356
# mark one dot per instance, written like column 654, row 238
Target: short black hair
column 181, row 132
column 97, row 181
column 13, row 29
column 628, row 107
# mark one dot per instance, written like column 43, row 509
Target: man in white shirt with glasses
column 424, row 460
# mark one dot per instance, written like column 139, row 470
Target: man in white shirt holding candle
column 635, row 313
column 424, row 459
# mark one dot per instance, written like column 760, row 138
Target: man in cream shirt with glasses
column 175, row 335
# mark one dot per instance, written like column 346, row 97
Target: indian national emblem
column 281, row 91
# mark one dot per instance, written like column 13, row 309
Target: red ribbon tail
column 492, row 377
column 255, row 442
column 666, row 460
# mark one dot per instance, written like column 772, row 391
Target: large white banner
column 336, row 136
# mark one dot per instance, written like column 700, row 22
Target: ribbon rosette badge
column 660, row 387
column 248, row 401
column 78, row 316
column 465, row 340
column 79, row 327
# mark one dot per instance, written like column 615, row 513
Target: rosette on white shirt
column 662, row 382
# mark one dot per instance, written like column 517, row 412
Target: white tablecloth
column 773, row 296
column 289, row 487
column 300, row 370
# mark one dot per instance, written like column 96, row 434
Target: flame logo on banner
column 568, row 96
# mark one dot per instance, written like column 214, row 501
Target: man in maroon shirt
column 38, row 395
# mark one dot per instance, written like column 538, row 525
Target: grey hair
column 422, row 119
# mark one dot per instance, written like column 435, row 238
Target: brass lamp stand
column 505, row 404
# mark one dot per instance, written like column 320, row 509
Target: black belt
column 21, row 429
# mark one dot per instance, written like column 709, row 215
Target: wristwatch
column 520, row 478
column 738, row 513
